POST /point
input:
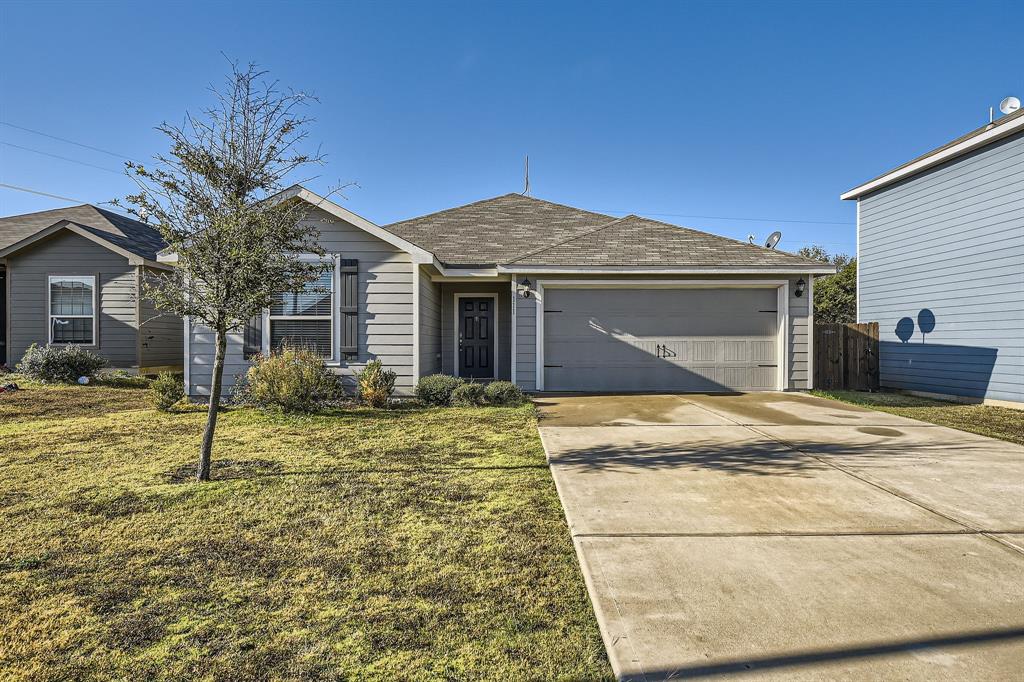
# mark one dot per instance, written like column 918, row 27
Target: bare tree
column 212, row 198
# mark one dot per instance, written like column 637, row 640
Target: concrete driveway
column 784, row 536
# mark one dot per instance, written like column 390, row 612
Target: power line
column 62, row 158
column 64, row 139
column 42, row 194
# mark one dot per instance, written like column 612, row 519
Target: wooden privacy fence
column 846, row 356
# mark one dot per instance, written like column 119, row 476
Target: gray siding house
column 551, row 297
column 74, row 276
column 941, row 266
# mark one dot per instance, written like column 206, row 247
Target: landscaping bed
column 379, row 544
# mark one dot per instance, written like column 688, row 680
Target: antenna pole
column 991, row 114
column 526, row 188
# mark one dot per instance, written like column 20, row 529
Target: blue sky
column 697, row 114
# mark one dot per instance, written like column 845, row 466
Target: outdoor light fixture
column 524, row 287
column 800, row 284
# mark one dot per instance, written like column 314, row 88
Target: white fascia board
column 630, row 270
column 419, row 254
column 987, row 137
column 133, row 258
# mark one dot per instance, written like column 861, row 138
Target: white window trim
column 334, row 317
column 85, row 279
column 494, row 332
column 781, row 318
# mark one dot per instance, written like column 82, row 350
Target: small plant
column 292, row 380
column 436, row 389
column 122, row 379
column 376, row 384
column 60, row 364
column 503, row 393
column 168, row 389
column 468, row 394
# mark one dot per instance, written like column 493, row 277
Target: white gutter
column 633, row 270
column 987, row 137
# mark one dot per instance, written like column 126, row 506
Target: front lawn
column 987, row 420
column 406, row 544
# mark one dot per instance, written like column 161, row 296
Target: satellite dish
column 1009, row 105
column 773, row 240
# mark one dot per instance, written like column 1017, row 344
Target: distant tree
column 835, row 296
column 209, row 197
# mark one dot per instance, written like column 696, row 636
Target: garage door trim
column 782, row 316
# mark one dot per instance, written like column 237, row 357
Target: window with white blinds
column 305, row 319
column 72, row 301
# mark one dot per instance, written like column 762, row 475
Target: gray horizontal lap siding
column 385, row 310
column 950, row 240
column 430, row 325
column 67, row 253
column 162, row 335
column 798, row 341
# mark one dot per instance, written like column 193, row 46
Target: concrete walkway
column 782, row 536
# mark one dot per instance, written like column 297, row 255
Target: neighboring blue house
column 940, row 247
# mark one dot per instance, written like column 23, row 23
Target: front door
column 476, row 338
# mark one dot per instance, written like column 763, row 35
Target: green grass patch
column 405, row 544
column 987, row 420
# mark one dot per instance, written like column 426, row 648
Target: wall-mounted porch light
column 524, row 288
column 800, row 284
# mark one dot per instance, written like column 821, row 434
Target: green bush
column 468, row 394
column 503, row 393
column 168, row 389
column 292, row 380
column 436, row 389
column 376, row 384
column 60, row 364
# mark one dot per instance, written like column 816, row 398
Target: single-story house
column 551, row 297
column 940, row 260
column 74, row 276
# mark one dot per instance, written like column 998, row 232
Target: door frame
column 782, row 314
column 457, row 318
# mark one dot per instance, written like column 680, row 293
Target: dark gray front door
column 476, row 338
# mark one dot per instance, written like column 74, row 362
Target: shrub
column 468, row 394
column 376, row 384
column 61, row 364
column 167, row 389
column 290, row 379
column 436, row 389
column 503, row 393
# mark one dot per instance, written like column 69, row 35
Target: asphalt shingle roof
column 496, row 230
column 138, row 238
column 521, row 230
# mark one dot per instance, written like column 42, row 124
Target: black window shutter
column 349, row 308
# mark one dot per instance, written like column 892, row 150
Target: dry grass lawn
column 406, row 544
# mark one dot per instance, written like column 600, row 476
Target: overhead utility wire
column 64, row 139
column 62, row 158
column 721, row 217
column 42, row 194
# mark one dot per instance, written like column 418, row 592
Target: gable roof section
column 496, row 230
column 987, row 134
column 131, row 238
column 635, row 242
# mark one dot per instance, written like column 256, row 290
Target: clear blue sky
column 740, row 110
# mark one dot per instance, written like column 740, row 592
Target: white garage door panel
column 660, row 339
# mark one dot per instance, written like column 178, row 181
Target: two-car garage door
column 705, row 340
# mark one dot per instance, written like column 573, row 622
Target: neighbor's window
column 305, row 318
column 72, row 312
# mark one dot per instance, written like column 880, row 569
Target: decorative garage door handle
column 663, row 351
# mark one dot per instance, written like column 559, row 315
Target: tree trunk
column 203, row 473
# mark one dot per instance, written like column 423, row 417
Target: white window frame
column 334, row 317
column 85, row 279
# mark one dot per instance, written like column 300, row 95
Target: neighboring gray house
column 73, row 275
column 941, row 266
column 551, row 297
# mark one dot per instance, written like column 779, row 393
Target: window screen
column 72, row 317
column 305, row 318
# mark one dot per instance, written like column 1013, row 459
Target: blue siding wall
column 942, row 271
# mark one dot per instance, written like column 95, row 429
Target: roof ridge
column 572, row 239
column 499, row 196
column 48, row 210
